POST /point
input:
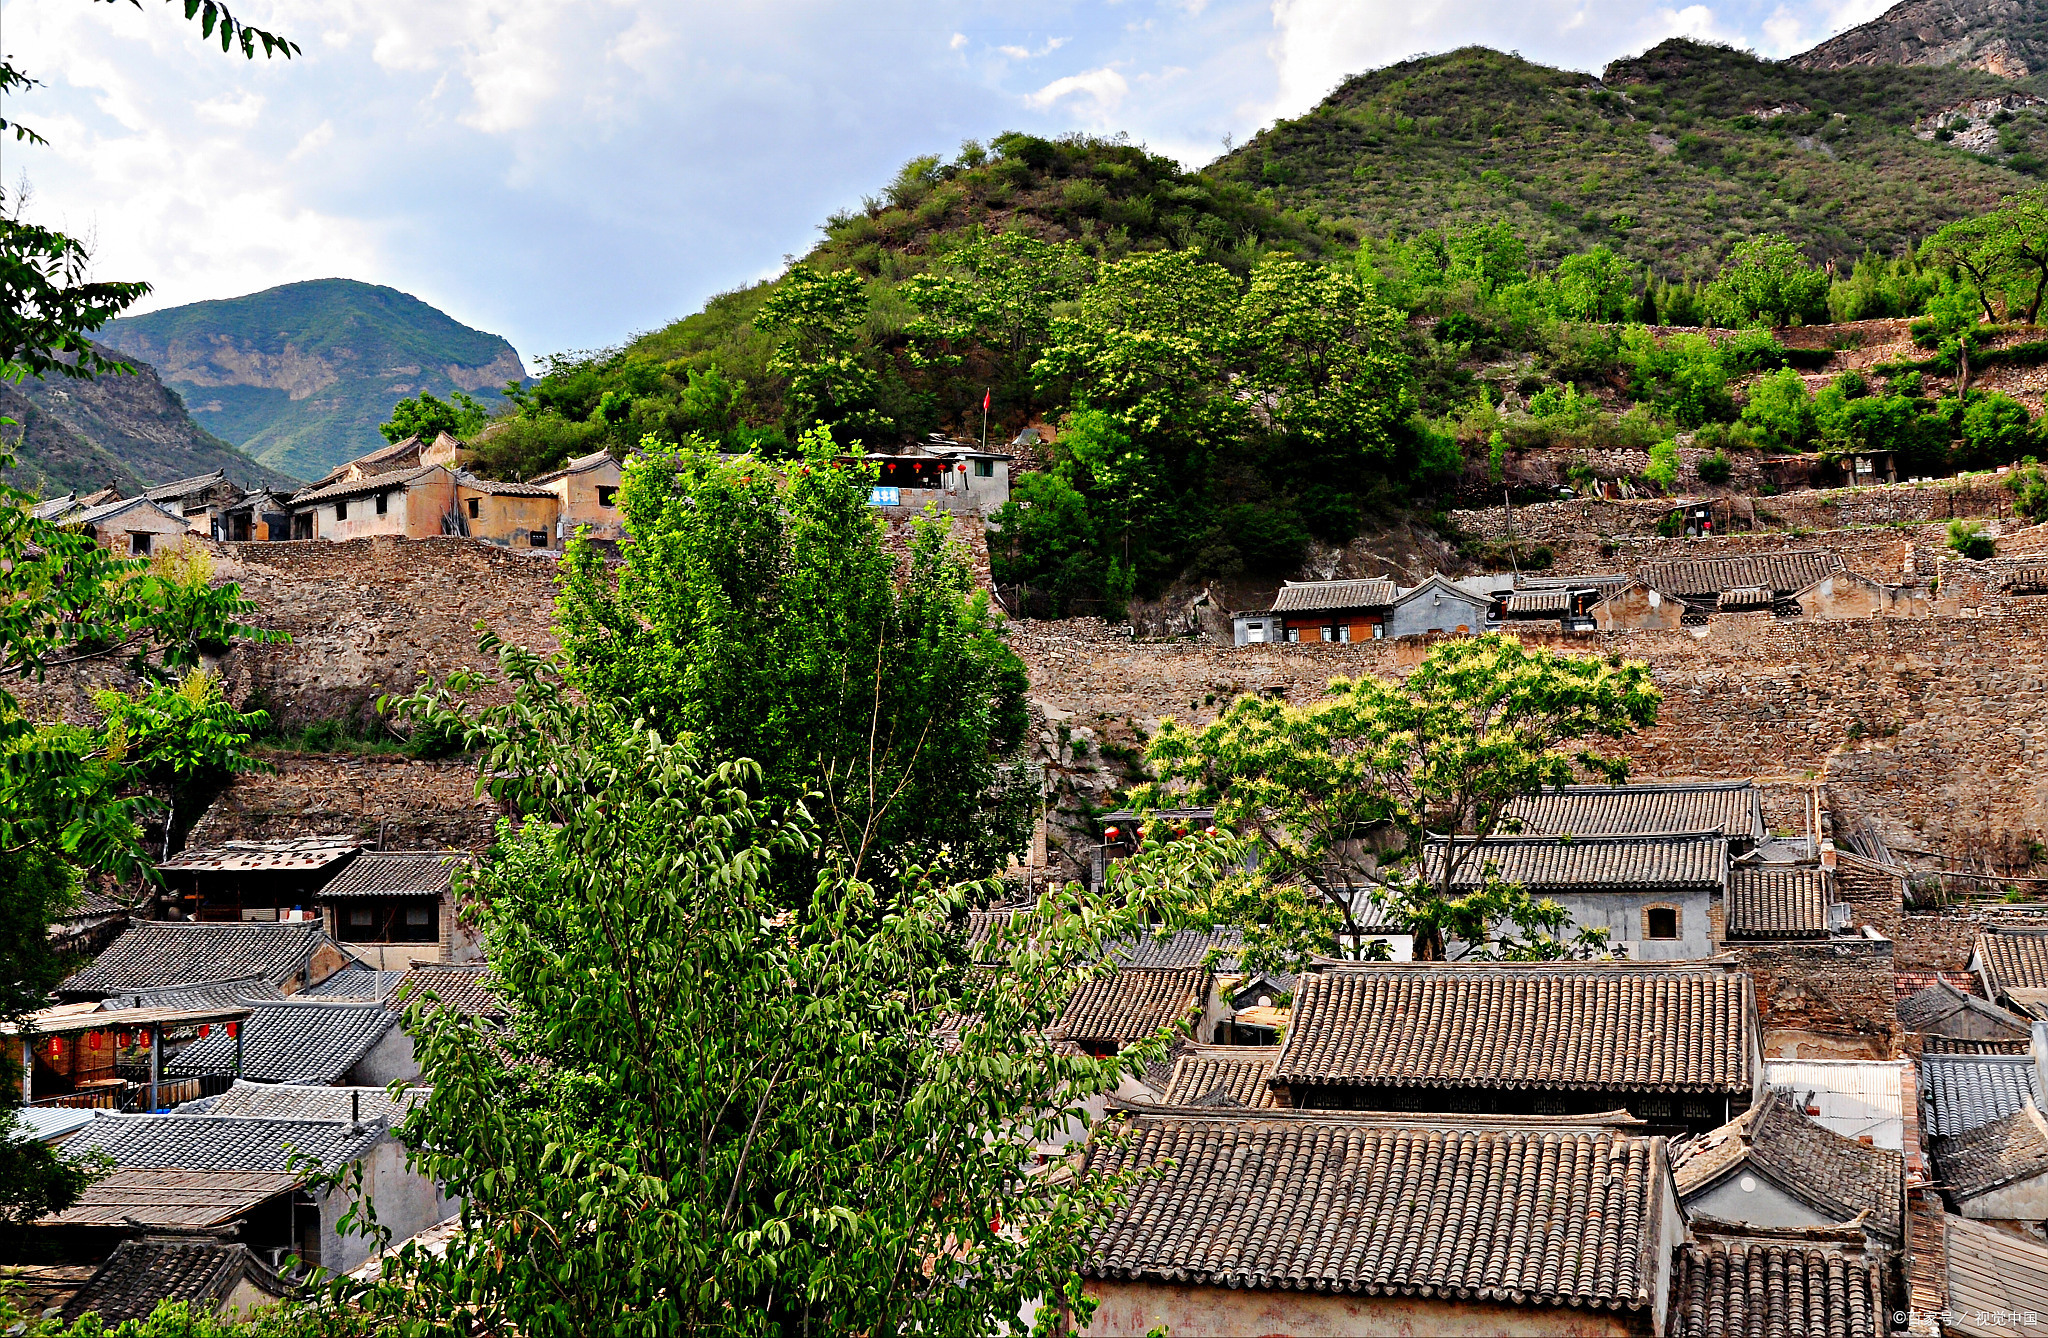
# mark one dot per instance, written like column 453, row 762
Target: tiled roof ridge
column 367, row 484
column 1618, row 1122
column 1569, row 838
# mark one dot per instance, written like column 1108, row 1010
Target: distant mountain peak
column 2008, row 38
column 300, row 375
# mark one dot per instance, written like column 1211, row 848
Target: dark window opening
column 341, row 510
column 383, row 500
column 411, row 920
column 473, row 504
column 138, row 545
column 605, row 496
column 1663, row 922
column 984, row 469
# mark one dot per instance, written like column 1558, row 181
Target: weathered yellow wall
column 579, row 500
column 1132, row 1309
column 510, row 520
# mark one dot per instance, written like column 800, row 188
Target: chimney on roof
column 355, row 1106
column 1827, row 854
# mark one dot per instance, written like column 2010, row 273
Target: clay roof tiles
column 1331, row 596
column 170, row 1197
column 313, row 852
column 395, row 874
column 1931, row 1011
column 222, row 1143
column 1776, row 1282
column 1977, row 1161
column 142, row 1273
column 1239, row 1072
column 500, row 487
column 160, row 954
column 1554, row 1215
column 2014, row 958
column 1182, row 948
column 1707, row 577
column 466, row 989
column 1729, row 807
column 164, row 492
column 1911, row 982
column 1833, row 1174
column 1544, row 864
column 363, row 487
column 291, row 1041
column 355, row 981
column 1132, row 1003
column 1776, row 901
column 1539, row 603
column 1964, row 1092
column 1744, row 597
column 1587, row 1028
column 304, row 1101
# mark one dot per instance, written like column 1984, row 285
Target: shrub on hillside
column 1997, row 430
column 1767, row 281
column 1968, row 539
column 1716, row 468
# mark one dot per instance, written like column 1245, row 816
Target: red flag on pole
column 985, row 398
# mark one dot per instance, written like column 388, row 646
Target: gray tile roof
column 1977, row 1161
column 222, row 1142
column 184, row 487
column 466, row 989
column 2014, row 958
column 172, row 1198
column 208, row 994
column 500, row 487
column 291, row 1041
column 297, row 1101
column 1185, row 947
column 1777, row 902
column 140, row 1274
column 1238, row 1072
column 1776, row 1283
column 1539, row 604
column 1706, row 578
column 1963, row 1092
column 363, row 487
column 312, row 852
column 1834, row 1175
column 1548, row 864
column 1333, row 596
column 109, row 510
column 1990, row 1273
column 355, row 981
column 406, row 874
column 1943, row 1010
column 158, row 954
column 1732, row 808
column 577, row 466
column 1744, row 597
column 1589, row 1028
column 1131, row 1004
column 1360, row 1205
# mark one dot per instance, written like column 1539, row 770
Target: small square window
column 474, row 504
column 1661, row 922
column 419, row 915
column 607, row 496
column 984, row 469
column 538, row 538
column 383, row 502
column 360, row 917
column 341, row 510
column 138, row 544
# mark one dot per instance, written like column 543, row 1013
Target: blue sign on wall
column 884, row 497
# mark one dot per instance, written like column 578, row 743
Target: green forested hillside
column 300, row 376
column 1670, row 158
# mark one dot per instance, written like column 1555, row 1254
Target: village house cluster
column 417, row 490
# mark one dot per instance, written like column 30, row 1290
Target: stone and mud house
column 588, row 491
column 211, row 1277
column 1775, row 1166
column 1678, row 1046
column 1325, row 1222
column 136, row 527
column 410, row 503
column 300, row 1221
column 201, row 501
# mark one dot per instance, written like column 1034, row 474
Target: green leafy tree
column 1768, row 281
column 992, row 298
column 1595, row 285
column 722, row 1105
column 1966, row 538
column 1044, row 539
column 2029, row 487
column 1997, row 430
column 1342, row 794
column 1779, row 411
column 2001, row 258
column 1322, row 358
column 1682, row 375
column 821, row 320
column 758, row 612
column 1663, row 467
column 425, row 416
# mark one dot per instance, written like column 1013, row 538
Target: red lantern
column 56, row 1047
column 95, row 1039
column 1111, row 834
column 963, row 469
column 203, row 1030
column 234, row 1028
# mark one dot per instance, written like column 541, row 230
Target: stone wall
column 386, row 802
column 1936, row 728
column 1824, row 1000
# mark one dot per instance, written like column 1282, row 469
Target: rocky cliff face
column 127, row 432
column 2008, row 38
column 300, row 376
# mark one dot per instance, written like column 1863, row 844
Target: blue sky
column 569, row 172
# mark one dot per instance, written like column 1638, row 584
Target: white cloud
column 1105, row 86
column 959, row 41
column 1026, row 53
column 239, row 110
